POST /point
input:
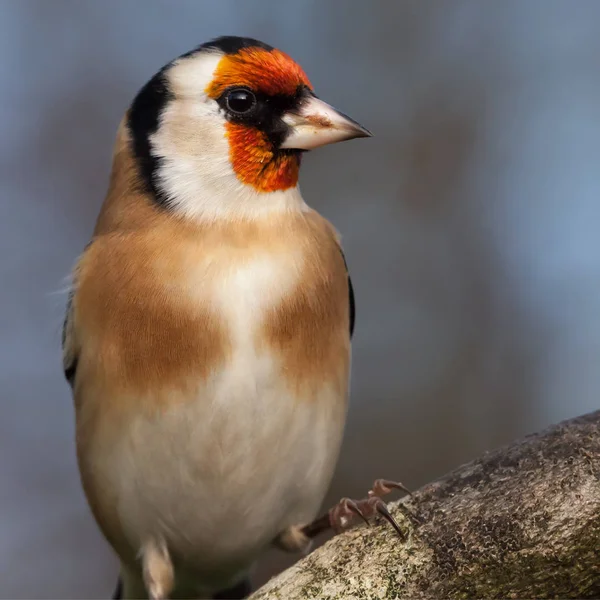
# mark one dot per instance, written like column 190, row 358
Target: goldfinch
column 207, row 335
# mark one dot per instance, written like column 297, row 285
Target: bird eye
column 240, row 101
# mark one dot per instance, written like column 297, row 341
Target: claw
column 382, row 487
column 355, row 508
column 382, row 509
column 340, row 516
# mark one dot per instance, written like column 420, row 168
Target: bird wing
column 70, row 349
column 351, row 300
column 69, row 353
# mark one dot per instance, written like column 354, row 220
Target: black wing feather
column 351, row 301
column 69, row 362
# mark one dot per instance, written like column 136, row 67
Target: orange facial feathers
column 270, row 72
column 255, row 163
column 252, row 155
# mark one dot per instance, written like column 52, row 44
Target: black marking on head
column 228, row 44
column 144, row 116
column 231, row 44
column 267, row 113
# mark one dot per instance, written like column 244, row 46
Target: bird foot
column 341, row 516
column 343, row 513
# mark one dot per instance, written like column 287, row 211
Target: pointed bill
column 315, row 123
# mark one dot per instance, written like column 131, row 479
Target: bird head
column 226, row 122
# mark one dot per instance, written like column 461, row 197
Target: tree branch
column 523, row 521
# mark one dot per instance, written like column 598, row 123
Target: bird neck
column 192, row 196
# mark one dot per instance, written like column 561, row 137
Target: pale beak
column 315, row 123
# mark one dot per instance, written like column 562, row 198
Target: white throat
column 204, row 186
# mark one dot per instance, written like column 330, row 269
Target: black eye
column 240, row 101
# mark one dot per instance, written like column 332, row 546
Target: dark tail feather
column 238, row 592
column 118, row 593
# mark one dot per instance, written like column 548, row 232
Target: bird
column 207, row 336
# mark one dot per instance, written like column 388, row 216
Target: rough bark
column 519, row 522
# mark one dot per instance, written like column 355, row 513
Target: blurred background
column 470, row 222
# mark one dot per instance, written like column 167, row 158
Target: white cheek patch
column 195, row 171
column 190, row 76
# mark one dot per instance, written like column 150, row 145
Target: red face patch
column 252, row 155
column 254, row 162
column 270, row 72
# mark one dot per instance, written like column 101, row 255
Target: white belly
column 219, row 478
column 237, row 460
